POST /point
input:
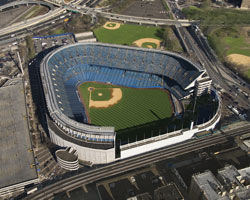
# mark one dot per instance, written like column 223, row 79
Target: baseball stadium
column 104, row 98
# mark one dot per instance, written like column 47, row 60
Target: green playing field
column 127, row 34
column 137, row 106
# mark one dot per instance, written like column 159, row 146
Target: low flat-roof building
column 236, row 182
column 206, row 186
column 230, row 183
column 169, row 191
column 16, row 158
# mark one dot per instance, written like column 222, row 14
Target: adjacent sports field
column 126, row 34
column 135, row 108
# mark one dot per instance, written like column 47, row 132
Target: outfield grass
column 127, row 34
column 137, row 107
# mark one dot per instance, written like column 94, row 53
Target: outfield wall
column 173, row 138
column 152, row 143
column 167, row 139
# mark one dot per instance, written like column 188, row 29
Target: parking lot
column 42, row 43
column 152, row 9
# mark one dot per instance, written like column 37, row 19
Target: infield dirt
column 140, row 42
column 116, row 96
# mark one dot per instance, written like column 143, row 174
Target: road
column 135, row 162
column 126, row 18
column 31, row 22
column 26, row 2
column 93, row 12
column 230, row 79
column 197, row 46
column 220, row 75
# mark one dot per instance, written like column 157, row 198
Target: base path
column 111, row 25
column 116, row 96
column 140, row 42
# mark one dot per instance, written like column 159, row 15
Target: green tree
column 30, row 47
column 206, row 4
column 166, row 38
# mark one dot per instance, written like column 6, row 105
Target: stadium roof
column 15, row 140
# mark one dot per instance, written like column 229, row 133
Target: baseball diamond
column 131, row 106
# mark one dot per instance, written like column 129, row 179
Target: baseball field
column 123, row 107
column 128, row 34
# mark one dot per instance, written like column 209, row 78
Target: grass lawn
column 221, row 16
column 225, row 46
column 136, row 108
column 231, row 40
column 237, row 45
column 127, row 34
column 58, row 31
column 247, row 73
column 223, row 28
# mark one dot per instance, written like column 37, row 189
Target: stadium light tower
column 20, row 63
column 195, row 99
column 162, row 81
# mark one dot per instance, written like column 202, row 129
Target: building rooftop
column 15, row 143
column 169, row 191
column 205, row 79
column 245, row 173
column 227, row 177
column 230, row 183
column 65, row 155
column 144, row 196
column 209, row 185
column 143, row 184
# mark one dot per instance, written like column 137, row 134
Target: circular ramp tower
column 67, row 159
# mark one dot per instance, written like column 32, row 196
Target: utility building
column 230, row 183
